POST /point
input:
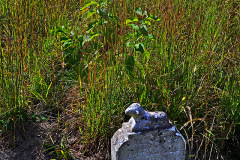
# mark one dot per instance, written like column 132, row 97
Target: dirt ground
column 28, row 143
column 30, row 139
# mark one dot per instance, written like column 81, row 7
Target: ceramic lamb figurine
column 142, row 120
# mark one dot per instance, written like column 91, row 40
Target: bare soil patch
column 35, row 141
column 29, row 139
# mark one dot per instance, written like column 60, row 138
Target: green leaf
column 43, row 118
column 48, row 89
column 36, row 115
column 105, row 22
column 90, row 13
column 132, row 19
column 150, row 36
column 91, row 25
column 58, row 29
column 148, row 23
column 2, row 122
column 134, row 26
column 89, row 4
column 129, row 44
column 128, row 36
column 128, row 21
column 139, row 47
column 130, row 63
column 152, row 17
column 143, row 30
column 91, row 36
column 139, row 11
column 67, row 44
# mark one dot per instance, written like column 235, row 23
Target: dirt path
column 29, row 143
column 30, row 140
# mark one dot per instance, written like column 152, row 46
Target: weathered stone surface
column 147, row 135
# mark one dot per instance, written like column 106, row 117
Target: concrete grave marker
column 147, row 136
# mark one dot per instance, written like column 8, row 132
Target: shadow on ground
column 29, row 140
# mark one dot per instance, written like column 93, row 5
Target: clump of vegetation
column 91, row 59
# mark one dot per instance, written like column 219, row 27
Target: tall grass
column 181, row 57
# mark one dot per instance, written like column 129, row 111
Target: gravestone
column 147, row 136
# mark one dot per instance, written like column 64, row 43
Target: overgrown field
column 91, row 59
